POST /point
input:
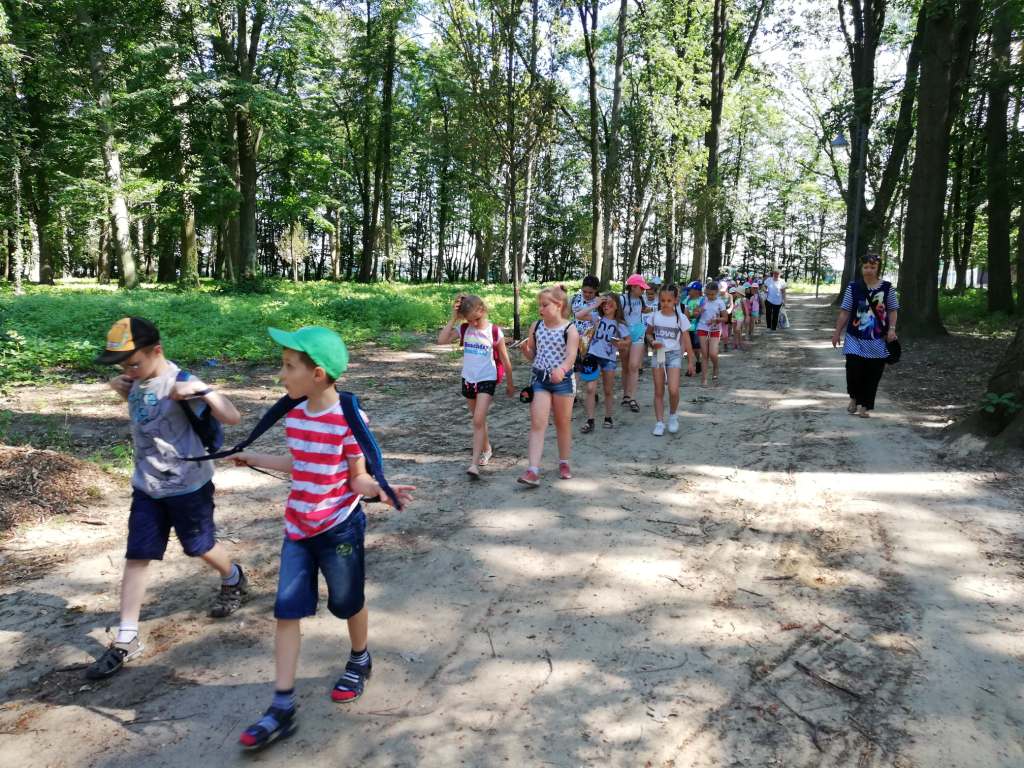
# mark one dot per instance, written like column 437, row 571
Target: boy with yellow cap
column 324, row 522
column 167, row 492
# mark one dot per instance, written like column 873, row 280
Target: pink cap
column 638, row 280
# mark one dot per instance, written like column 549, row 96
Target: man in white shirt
column 775, row 287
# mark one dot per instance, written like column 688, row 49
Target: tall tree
column 1000, row 286
column 948, row 36
column 741, row 41
column 589, row 13
column 117, row 202
column 610, row 182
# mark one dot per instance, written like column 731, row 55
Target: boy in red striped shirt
column 324, row 523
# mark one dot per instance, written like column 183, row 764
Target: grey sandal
column 113, row 659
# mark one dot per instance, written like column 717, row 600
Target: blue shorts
column 541, row 383
column 636, row 332
column 150, row 522
column 600, row 365
column 673, row 359
column 338, row 554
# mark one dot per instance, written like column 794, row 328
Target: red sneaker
column 563, row 470
column 530, row 478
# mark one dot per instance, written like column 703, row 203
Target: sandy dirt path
column 779, row 584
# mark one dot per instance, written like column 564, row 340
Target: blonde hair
column 558, row 295
column 470, row 302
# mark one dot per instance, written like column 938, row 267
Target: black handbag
column 895, row 351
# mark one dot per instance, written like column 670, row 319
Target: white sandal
column 485, row 457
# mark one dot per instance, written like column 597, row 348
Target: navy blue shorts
column 336, row 553
column 151, row 520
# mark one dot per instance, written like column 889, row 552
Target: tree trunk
column 189, row 250
column 699, row 234
column 670, row 235
column 38, row 194
column 1004, row 423
column 711, row 138
column 118, row 206
column 17, row 258
column 589, row 12
column 869, row 22
column 639, row 226
column 443, row 215
column 166, row 266
column 1000, row 286
column 336, row 244
column 1020, row 261
column 610, row 183
column 522, row 250
column 248, row 243
column 483, row 254
column 962, row 258
column 946, row 45
column 292, row 256
column 248, row 136
column 384, row 144
column 862, row 45
column 103, row 254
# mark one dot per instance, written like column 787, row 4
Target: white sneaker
column 673, row 424
column 659, row 429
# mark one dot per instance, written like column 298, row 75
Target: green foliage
column 55, row 331
column 1004, row 404
column 968, row 312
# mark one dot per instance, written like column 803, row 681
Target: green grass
column 55, row 332
column 968, row 313
column 798, row 286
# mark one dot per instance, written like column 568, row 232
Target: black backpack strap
column 269, row 419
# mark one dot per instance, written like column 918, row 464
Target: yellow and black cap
column 126, row 337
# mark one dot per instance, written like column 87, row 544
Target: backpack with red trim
column 494, row 346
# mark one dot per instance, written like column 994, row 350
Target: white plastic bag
column 783, row 319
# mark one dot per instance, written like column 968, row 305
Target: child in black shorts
column 485, row 362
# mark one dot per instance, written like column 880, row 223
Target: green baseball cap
column 323, row 346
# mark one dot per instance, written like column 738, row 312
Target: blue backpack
column 206, row 426
column 353, row 416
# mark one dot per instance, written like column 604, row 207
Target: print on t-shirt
column 605, row 335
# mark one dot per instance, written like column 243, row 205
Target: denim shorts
column 541, row 383
column 338, row 554
column 150, row 522
column 673, row 359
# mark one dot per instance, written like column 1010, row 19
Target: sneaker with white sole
column 673, row 424
column 659, row 429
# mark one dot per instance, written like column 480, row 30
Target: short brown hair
column 309, row 362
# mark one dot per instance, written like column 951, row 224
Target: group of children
column 176, row 428
column 591, row 336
